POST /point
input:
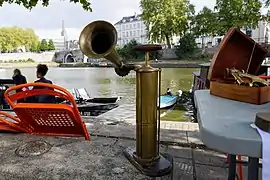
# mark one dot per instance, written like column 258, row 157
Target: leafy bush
column 29, row 60
column 186, row 47
column 127, row 52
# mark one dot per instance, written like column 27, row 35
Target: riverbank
column 26, row 65
column 156, row 64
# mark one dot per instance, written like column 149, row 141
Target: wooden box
column 239, row 51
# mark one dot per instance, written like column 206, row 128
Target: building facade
column 129, row 28
column 261, row 35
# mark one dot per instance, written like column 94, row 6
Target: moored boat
column 81, row 95
column 167, row 101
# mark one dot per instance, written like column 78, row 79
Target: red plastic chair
column 47, row 118
column 10, row 123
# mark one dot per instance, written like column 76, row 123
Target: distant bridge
column 68, row 56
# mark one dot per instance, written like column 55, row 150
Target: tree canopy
column 29, row 4
column 237, row 13
column 12, row 38
column 51, row 45
column 204, row 22
column 165, row 18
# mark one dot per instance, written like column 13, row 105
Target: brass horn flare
column 98, row 40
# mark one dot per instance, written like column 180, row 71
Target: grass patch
column 177, row 114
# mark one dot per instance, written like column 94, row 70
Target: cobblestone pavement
column 102, row 157
column 124, row 117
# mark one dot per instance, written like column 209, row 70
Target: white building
column 131, row 27
column 261, row 35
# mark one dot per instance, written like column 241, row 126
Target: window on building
column 138, row 32
column 134, row 33
column 123, row 34
column 134, row 26
column 127, row 26
column 126, row 34
column 130, row 26
column 142, row 32
column 123, row 27
column 138, row 25
column 130, row 33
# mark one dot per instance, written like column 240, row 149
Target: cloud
column 47, row 21
column 73, row 14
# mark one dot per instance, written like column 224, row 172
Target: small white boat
column 167, row 101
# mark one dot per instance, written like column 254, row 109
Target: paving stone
column 119, row 130
column 179, row 152
column 183, row 169
column 175, row 136
column 209, row 157
column 194, row 137
column 204, row 172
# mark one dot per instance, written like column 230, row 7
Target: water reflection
column 104, row 81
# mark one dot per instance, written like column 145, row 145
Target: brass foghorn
column 98, row 40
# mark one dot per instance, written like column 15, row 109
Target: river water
column 103, row 82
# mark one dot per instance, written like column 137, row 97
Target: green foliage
column 127, row 52
column 204, row 23
column 237, row 13
column 186, row 47
column 51, row 45
column 29, row 4
column 267, row 3
column 12, row 38
column 43, row 46
column 165, row 18
column 29, row 60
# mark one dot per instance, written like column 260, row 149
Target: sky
column 47, row 21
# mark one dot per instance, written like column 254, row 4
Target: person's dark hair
column 17, row 71
column 42, row 69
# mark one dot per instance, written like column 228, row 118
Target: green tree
column 186, row 47
column 190, row 16
column 127, row 52
column 29, row 4
column 204, row 23
column 51, row 45
column 164, row 18
column 12, row 38
column 237, row 13
column 267, row 3
column 43, row 45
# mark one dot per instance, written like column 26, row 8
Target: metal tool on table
column 243, row 78
column 98, row 40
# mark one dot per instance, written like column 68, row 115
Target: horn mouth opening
column 102, row 42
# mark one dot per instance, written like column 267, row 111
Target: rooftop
column 127, row 19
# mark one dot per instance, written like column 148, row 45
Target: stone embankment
column 156, row 64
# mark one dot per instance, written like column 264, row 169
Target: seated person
column 42, row 70
column 168, row 92
column 18, row 79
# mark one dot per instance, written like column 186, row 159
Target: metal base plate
column 161, row 167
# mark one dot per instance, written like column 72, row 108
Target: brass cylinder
column 146, row 112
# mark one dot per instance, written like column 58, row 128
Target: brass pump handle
column 148, row 48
